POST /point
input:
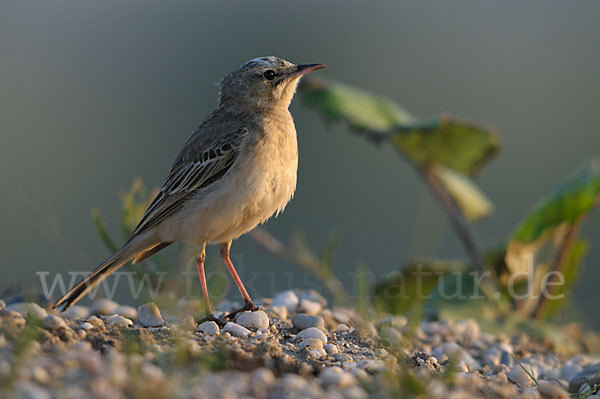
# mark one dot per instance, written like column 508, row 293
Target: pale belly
column 255, row 189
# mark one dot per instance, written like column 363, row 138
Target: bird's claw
column 248, row 306
column 212, row 317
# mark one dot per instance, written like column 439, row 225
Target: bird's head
column 265, row 82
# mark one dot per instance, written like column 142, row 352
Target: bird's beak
column 304, row 69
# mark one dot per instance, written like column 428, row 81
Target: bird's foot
column 248, row 306
column 212, row 317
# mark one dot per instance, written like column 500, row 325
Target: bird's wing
column 201, row 163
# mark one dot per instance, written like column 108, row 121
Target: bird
column 237, row 169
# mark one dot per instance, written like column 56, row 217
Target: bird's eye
column 269, row 75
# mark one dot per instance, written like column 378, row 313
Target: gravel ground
column 294, row 347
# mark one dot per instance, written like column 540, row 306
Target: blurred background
column 94, row 94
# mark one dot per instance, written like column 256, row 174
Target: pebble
column 53, row 322
column 331, row 349
column 303, row 321
column 188, row 323
column 335, row 376
column 589, row 373
column 96, row 321
column 342, row 328
column 209, row 328
column 519, row 376
column 370, row 364
column 309, row 307
column 312, row 343
column 392, row 335
column 76, row 312
column 103, row 306
column 280, row 311
column 468, row 330
column 29, row 390
column 236, row 330
column 2, row 304
column 506, row 359
column 149, row 315
column 126, row 311
column 312, row 332
column 287, row 299
column 451, row 350
column 119, row 321
column 256, row 319
column 152, row 373
column 262, row 376
column 86, row 325
column 28, row 309
column 36, row 311
column 551, row 390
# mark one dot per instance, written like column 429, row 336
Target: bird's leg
column 200, row 266
column 248, row 304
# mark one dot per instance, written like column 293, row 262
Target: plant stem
column 455, row 216
column 560, row 262
column 305, row 259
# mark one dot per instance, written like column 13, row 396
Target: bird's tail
column 130, row 250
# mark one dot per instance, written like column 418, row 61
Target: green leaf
column 361, row 110
column 574, row 198
column 411, row 287
column 458, row 145
column 555, row 215
column 469, row 198
column 570, row 273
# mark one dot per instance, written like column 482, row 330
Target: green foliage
column 447, row 152
column 565, row 204
column 548, row 235
column 133, row 205
column 469, row 198
column 462, row 146
column 411, row 288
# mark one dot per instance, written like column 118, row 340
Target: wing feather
column 195, row 173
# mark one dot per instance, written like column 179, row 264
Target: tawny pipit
column 237, row 170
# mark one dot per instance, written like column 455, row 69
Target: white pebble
column 262, row 376
column 53, row 322
column 76, row 312
column 468, row 330
column 96, row 321
column 257, row 319
column 309, row 307
column 209, row 328
column 331, row 349
column 119, row 321
column 551, row 390
column 335, row 376
column 287, row 299
column 236, row 330
column 370, row 364
column 311, row 343
column 341, row 328
column 29, row 390
column 519, row 376
column 312, row 332
column 149, row 315
column 317, row 353
column 280, row 311
column 392, row 335
column 126, row 311
column 103, row 306
column 303, row 321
